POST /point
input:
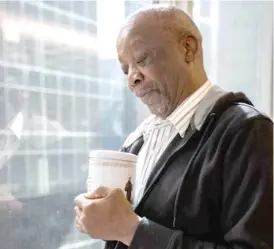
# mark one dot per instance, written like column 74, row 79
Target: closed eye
column 142, row 61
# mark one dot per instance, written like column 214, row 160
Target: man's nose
column 135, row 78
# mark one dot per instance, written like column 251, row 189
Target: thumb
column 98, row 193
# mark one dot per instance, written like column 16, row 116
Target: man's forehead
column 139, row 36
column 130, row 43
column 134, row 41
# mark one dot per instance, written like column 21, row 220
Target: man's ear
column 191, row 48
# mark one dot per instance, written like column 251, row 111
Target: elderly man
column 204, row 170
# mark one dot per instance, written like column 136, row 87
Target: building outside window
column 61, row 55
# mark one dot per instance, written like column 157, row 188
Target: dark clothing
column 212, row 188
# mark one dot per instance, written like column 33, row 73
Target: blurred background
column 62, row 93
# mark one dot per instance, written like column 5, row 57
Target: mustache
column 140, row 91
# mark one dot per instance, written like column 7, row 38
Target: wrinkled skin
column 158, row 66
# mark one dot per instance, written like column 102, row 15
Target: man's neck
column 185, row 95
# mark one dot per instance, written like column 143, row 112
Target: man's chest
column 155, row 143
column 183, row 194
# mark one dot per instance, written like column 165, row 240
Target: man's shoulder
column 139, row 131
column 241, row 113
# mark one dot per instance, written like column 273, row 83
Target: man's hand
column 106, row 214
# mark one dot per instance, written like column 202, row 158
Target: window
column 238, row 47
column 60, row 56
column 59, row 59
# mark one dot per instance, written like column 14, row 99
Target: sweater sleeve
column 247, row 208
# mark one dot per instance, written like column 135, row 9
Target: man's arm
column 247, row 209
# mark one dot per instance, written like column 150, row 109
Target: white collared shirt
column 158, row 133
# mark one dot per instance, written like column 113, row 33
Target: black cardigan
column 212, row 188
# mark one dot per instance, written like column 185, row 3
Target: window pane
column 238, row 46
column 76, row 99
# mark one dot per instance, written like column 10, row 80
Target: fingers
column 77, row 212
column 78, row 222
column 81, row 201
column 100, row 192
column 84, row 202
column 79, row 225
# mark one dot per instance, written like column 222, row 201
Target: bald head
column 160, row 51
column 172, row 20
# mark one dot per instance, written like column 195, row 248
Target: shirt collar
column 205, row 106
column 198, row 119
column 183, row 114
